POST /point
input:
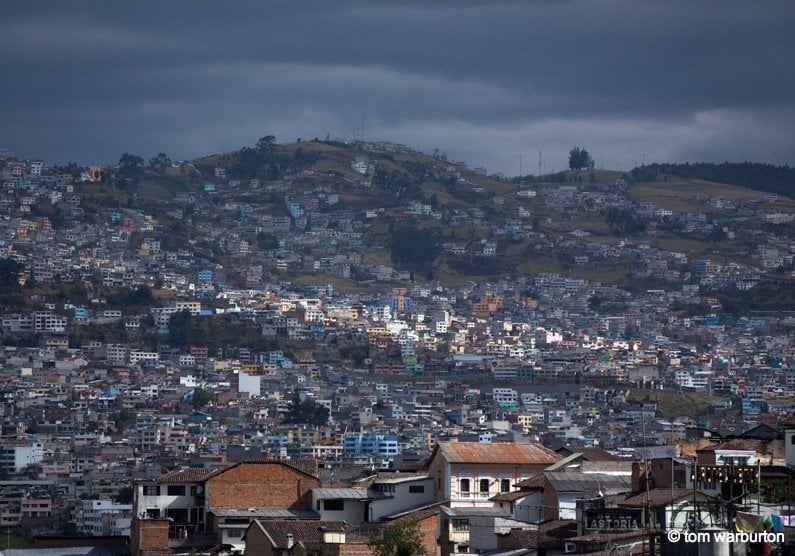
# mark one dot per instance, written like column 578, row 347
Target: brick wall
column 149, row 537
column 261, row 484
column 550, row 501
column 429, row 529
column 347, row 549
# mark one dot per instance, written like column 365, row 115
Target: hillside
column 440, row 220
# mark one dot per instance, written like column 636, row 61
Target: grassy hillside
column 569, row 216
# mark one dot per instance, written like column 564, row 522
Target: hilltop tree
column 160, row 161
column 579, row 158
column 131, row 167
column 128, row 161
column 266, row 143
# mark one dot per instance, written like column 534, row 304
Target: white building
column 103, row 518
column 469, row 473
column 17, row 453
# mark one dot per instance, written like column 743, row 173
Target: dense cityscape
column 324, row 347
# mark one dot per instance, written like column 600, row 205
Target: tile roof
column 511, row 496
column 546, row 535
column 533, row 483
column 301, row 531
column 190, row 475
column 656, row 497
column 497, row 453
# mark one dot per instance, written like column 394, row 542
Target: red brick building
column 215, row 505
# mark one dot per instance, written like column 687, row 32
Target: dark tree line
column 754, row 175
column 266, row 161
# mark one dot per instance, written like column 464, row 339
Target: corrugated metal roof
column 342, row 493
column 394, row 478
column 565, row 461
column 589, row 483
column 280, row 513
column 498, row 452
column 467, row 511
column 66, row 551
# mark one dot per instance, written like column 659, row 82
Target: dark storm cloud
column 486, row 81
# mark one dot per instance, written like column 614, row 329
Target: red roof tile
column 190, row 475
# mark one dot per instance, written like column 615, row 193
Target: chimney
column 290, row 541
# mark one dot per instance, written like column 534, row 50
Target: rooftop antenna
column 539, row 163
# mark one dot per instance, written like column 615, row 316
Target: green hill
column 437, row 218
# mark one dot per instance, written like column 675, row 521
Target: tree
column 266, row 143
column 160, row 161
column 131, row 167
column 307, row 412
column 128, row 160
column 9, row 274
column 266, row 241
column 201, row 397
column 415, row 249
column 125, row 495
column 579, row 158
column 401, row 539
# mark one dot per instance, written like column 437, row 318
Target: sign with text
column 613, row 519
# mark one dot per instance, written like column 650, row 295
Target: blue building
column 276, row 358
column 361, row 443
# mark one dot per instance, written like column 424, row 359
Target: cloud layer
column 490, row 82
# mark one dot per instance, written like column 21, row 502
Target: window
column 464, row 487
column 335, row 505
column 152, row 490
column 460, row 525
column 417, row 489
column 235, row 533
column 176, row 490
column 505, row 485
column 387, row 488
column 484, row 485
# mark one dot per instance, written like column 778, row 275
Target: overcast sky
column 489, row 82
